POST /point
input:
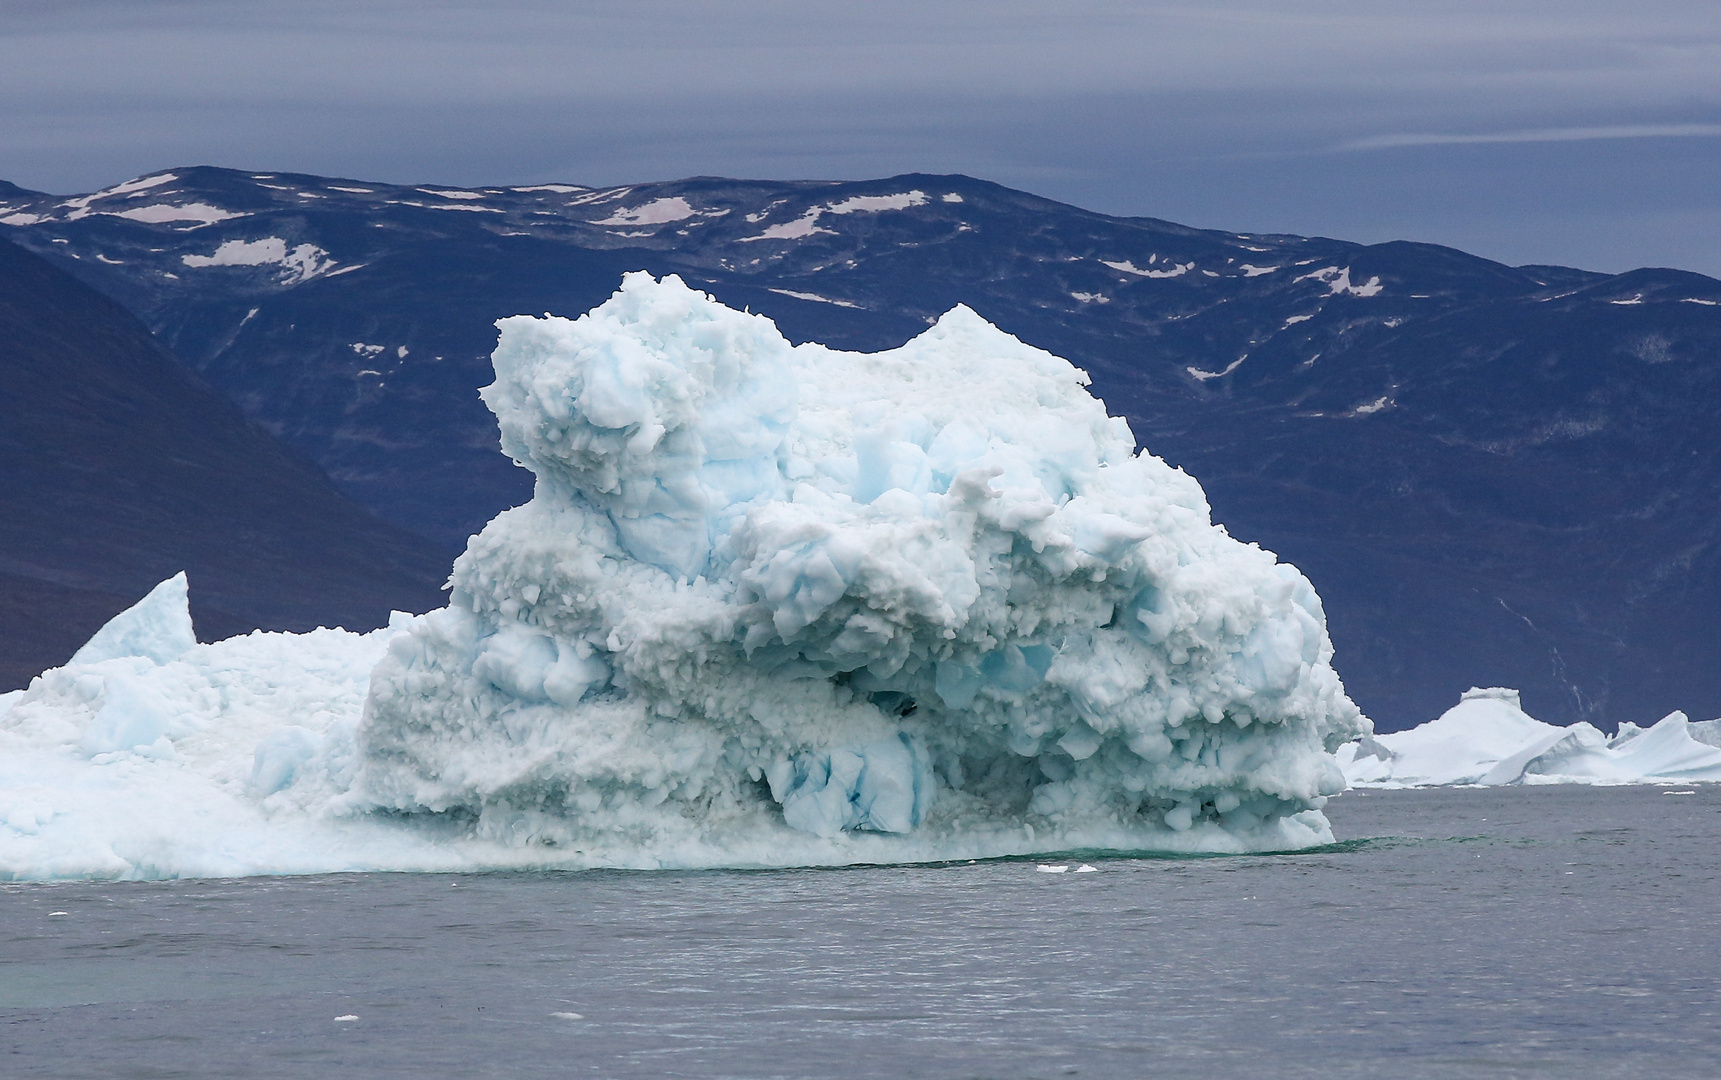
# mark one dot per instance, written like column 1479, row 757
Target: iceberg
column 1488, row 740
column 769, row 605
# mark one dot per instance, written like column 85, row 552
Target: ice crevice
column 769, row 605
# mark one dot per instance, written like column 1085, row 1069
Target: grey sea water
column 1453, row 933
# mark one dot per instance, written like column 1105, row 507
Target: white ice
column 770, row 605
column 1488, row 739
column 299, row 263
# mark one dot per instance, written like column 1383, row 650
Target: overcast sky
column 1576, row 132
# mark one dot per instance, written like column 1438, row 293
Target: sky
column 1529, row 131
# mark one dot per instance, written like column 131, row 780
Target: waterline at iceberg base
column 769, row 605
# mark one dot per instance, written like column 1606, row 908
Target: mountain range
column 1492, row 474
column 119, row 466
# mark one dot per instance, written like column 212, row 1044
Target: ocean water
column 1452, row 933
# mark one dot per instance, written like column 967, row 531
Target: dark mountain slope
column 1492, row 473
column 119, row 467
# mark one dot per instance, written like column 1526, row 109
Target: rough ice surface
column 804, row 605
column 769, row 605
column 1487, row 739
column 197, row 766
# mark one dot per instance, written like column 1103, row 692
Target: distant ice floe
column 299, row 263
column 1488, row 739
column 770, row 605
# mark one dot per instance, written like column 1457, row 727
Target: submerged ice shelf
column 769, row 605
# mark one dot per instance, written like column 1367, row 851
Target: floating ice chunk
column 927, row 593
column 1047, row 869
column 769, row 605
column 1488, row 739
column 157, row 627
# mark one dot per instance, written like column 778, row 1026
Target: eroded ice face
column 929, row 598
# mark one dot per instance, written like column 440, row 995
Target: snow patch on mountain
column 299, row 263
column 873, row 204
column 163, row 213
column 1338, row 280
column 656, row 212
column 808, row 223
column 814, row 297
column 799, row 229
column 1128, row 267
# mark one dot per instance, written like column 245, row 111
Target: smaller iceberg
column 1488, row 740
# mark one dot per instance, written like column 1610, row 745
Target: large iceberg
column 769, row 605
column 1488, row 740
column 765, row 592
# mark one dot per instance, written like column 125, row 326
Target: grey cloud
column 1577, row 134
column 1482, row 121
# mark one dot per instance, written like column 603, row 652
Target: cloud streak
column 1257, row 115
column 1538, row 135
